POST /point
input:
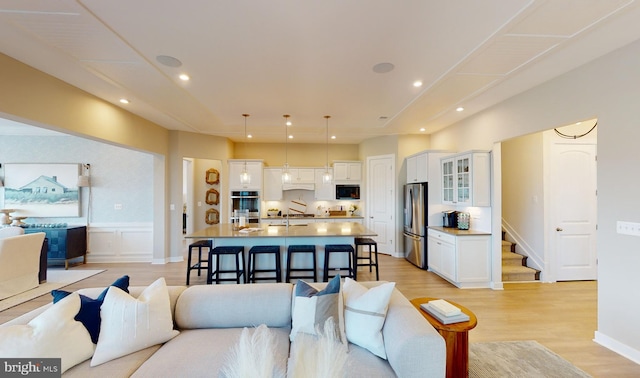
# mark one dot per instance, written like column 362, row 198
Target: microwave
column 347, row 192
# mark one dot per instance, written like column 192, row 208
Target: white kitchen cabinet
column 302, row 175
column 272, row 184
column 417, row 168
column 253, row 167
column 324, row 192
column 463, row 260
column 466, row 179
column 347, row 171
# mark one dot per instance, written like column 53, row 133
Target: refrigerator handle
column 414, row 237
column 410, row 212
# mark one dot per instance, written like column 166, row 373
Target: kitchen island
column 316, row 233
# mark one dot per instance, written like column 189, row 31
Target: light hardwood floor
column 561, row 316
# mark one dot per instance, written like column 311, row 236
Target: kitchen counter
column 316, row 233
column 456, row 232
column 321, row 229
column 316, row 217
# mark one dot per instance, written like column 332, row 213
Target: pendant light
column 245, row 176
column 326, row 177
column 286, row 175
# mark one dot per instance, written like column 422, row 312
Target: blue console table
column 64, row 243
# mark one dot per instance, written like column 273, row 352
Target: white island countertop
column 322, row 229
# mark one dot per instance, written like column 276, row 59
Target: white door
column 573, row 195
column 381, row 200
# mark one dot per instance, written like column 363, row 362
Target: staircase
column 514, row 266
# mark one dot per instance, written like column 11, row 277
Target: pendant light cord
column 327, row 118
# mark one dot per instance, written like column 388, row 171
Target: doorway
column 537, row 200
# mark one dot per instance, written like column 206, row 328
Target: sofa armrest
column 414, row 348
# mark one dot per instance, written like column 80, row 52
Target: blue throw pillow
column 89, row 314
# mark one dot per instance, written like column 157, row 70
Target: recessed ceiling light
column 422, row 129
column 124, row 101
column 333, row 137
column 184, row 77
column 383, row 67
column 459, row 109
column 249, row 136
column 168, row 61
column 290, row 136
column 417, row 83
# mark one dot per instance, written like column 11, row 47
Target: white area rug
column 56, row 278
column 522, row 359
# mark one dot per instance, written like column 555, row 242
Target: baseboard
column 618, row 347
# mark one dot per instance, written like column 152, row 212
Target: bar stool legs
column 237, row 252
column 372, row 258
column 338, row 248
column 296, row 249
column 200, row 265
column 264, row 249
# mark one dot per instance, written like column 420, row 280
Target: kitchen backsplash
column 313, row 206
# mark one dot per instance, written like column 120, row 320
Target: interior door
column 381, row 200
column 573, row 178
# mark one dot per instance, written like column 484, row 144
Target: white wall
column 607, row 89
column 118, row 176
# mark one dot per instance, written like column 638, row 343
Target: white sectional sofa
column 211, row 318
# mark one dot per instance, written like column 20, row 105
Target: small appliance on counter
column 463, row 220
column 450, row 219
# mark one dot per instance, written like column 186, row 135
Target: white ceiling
column 311, row 58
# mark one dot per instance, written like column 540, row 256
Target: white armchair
column 19, row 263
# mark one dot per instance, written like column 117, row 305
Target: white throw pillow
column 130, row 324
column 311, row 308
column 365, row 311
column 53, row 334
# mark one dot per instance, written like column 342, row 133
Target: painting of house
column 42, row 190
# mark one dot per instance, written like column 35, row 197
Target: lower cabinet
column 463, row 260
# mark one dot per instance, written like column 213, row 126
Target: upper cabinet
column 466, row 179
column 324, row 192
column 347, row 171
column 272, row 184
column 417, row 168
column 253, row 167
column 302, row 175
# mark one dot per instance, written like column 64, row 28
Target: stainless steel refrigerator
column 415, row 224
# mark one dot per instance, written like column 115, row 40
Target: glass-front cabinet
column 466, row 179
column 447, row 180
column 462, row 179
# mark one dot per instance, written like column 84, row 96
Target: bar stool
column 371, row 261
column 237, row 251
column 338, row 248
column 264, row 249
column 199, row 266
column 301, row 248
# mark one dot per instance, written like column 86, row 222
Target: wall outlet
column 117, row 206
column 172, row 207
column 628, row 228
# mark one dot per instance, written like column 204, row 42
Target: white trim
column 618, row 347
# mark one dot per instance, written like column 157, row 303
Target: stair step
column 508, row 246
column 512, row 259
column 519, row 273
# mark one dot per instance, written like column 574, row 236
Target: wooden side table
column 456, row 338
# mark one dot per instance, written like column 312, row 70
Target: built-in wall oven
column 242, row 201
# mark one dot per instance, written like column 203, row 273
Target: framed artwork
column 213, row 197
column 212, row 216
column 212, row 176
column 42, row 190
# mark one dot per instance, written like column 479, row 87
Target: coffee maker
column 450, row 219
